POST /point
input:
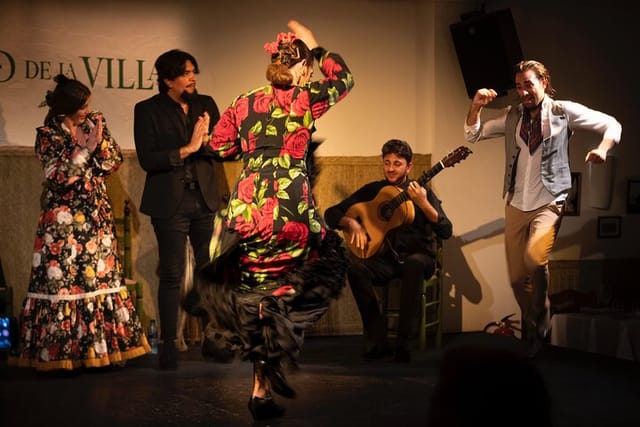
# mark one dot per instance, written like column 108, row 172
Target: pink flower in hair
column 286, row 37
column 272, row 47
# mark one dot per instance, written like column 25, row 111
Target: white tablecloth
column 611, row 334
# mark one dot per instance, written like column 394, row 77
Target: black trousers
column 364, row 274
column 195, row 220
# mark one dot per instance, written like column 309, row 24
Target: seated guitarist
column 408, row 251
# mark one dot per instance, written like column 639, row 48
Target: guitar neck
column 424, row 178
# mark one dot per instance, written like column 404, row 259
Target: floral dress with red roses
column 77, row 311
column 271, row 248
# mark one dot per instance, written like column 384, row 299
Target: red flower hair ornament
column 272, row 48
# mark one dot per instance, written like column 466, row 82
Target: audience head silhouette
column 489, row 386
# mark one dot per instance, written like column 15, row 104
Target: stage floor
column 335, row 388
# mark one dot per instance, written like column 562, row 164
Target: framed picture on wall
column 633, row 196
column 572, row 204
column 609, row 227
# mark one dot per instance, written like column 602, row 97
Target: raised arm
column 479, row 101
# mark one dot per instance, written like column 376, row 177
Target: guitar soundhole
column 386, row 211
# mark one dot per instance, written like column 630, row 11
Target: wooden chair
column 430, row 304
column 123, row 234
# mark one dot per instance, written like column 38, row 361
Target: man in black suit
column 180, row 193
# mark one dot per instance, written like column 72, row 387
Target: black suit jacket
column 159, row 132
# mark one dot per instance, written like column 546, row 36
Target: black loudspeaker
column 488, row 48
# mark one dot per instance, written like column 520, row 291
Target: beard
column 188, row 97
column 399, row 180
column 531, row 103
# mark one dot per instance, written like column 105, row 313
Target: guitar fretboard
column 424, row 178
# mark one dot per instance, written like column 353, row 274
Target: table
column 611, row 334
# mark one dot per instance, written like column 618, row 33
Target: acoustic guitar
column 392, row 208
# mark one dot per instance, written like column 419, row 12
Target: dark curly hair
column 172, row 64
column 68, row 97
column 399, row 147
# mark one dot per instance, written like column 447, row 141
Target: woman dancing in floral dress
column 275, row 266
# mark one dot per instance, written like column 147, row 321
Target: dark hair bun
column 48, row 98
column 61, row 79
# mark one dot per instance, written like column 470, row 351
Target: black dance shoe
column 271, row 371
column 279, row 382
column 263, row 408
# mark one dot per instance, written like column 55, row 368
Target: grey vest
column 554, row 167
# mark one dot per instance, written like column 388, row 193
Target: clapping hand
column 205, row 127
column 200, row 133
column 95, row 136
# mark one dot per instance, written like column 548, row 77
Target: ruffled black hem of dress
column 258, row 324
